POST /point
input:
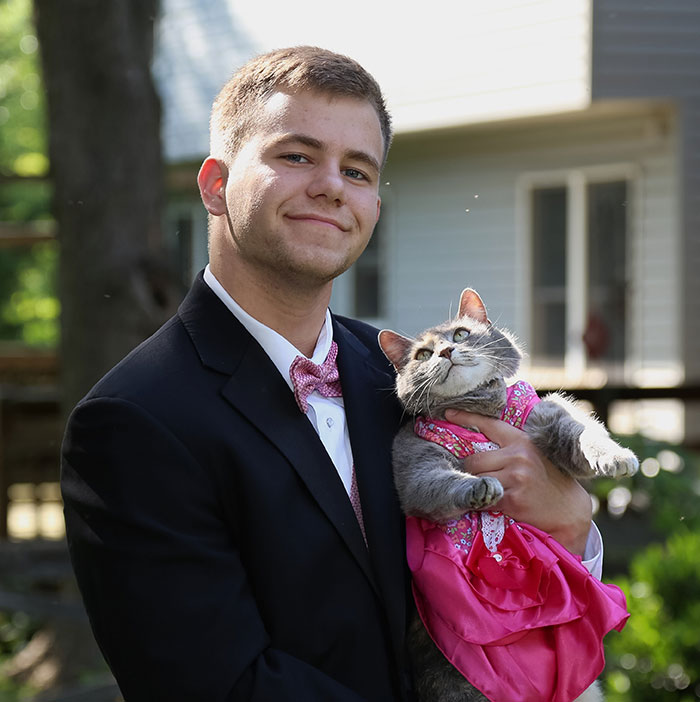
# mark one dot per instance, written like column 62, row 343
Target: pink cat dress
column 517, row 614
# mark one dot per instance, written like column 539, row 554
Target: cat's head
column 456, row 364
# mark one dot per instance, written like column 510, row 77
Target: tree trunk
column 104, row 148
column 114, row 281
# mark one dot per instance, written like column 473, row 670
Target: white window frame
column 575, row 180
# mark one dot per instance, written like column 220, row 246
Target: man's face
column 302, row 191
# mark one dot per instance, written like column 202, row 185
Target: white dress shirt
column 327, row 414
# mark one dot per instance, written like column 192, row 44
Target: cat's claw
column 482, row 492
column 621, row 464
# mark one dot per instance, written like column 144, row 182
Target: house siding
column 435, row 247
column 653, row 49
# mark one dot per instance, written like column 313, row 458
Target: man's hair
column 237, row 105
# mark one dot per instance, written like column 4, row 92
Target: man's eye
column 296, row 158
column 354, row 174
column 423, row 354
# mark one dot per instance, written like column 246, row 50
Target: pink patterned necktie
column 308, row 376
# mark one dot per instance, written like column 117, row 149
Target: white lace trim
column 493, row 528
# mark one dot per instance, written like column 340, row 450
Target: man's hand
column 535, row 491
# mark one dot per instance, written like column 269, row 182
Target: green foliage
column 15, row 630
column 29, row 309
column 657, row 656
column 22, row 107
column 27, row 201
column 12, row 692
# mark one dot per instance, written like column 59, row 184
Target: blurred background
column 547, row 153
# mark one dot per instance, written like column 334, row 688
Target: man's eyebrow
column 299, row 139
column 312, row 142
column 366, row 158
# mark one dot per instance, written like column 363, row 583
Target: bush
column 657, row 657
column 15, row 631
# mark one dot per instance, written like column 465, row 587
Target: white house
column 547, row 153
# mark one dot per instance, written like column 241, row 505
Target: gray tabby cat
column 462, row 364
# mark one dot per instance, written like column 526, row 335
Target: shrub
column 657, row 656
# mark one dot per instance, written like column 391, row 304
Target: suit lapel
column 373, row 414
column 261, row 396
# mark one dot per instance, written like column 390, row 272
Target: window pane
column 184, row 249
column 368, row 279
column 549, row 273
column 367, row 292
column 607, row 234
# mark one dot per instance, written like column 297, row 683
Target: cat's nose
column 447, row 352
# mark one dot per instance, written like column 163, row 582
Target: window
column 604, row 336
column 578, row 272
column 549, row 273
column 186, row 236
column 183, row 248
column 361, row 291
column 367, row 293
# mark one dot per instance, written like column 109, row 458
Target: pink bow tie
column 308, row 376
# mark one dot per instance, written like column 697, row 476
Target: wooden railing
column 601, row 398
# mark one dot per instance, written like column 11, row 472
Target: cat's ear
column 471, row 305
column 395, row 347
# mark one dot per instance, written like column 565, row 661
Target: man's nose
column 328, row 181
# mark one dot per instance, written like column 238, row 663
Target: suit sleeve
column 160, row 573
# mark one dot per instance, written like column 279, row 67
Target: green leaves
column 30, row 312
column 29, row 308
column 656, row 657
column 22, row 105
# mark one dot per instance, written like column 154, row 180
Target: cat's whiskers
column 422, row 390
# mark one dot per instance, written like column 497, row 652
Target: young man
column 234, row 537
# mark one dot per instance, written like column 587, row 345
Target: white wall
column 435, row 247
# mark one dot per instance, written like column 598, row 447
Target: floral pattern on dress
column 520, row 399
column 461, row 531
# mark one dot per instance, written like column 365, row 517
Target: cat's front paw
column 481, row 492
column 617, row 463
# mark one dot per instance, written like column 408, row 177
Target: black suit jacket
column 215, row 547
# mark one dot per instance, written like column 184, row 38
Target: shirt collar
column 280, row 351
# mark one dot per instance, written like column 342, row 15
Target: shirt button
column 329, row 422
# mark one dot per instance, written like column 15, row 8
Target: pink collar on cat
column 520, row 399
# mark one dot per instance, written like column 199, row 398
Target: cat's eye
column 423, row 354
column 460, row 334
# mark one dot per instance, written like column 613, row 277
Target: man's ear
column 212, row 185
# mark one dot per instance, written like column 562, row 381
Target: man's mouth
column 321, row 219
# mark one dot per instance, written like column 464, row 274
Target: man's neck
column 296, row 314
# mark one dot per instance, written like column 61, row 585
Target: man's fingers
column 535, row 491
column 486, row 462
column 498, row 431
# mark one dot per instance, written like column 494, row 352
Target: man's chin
column 308, row 277
column 318, row 273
